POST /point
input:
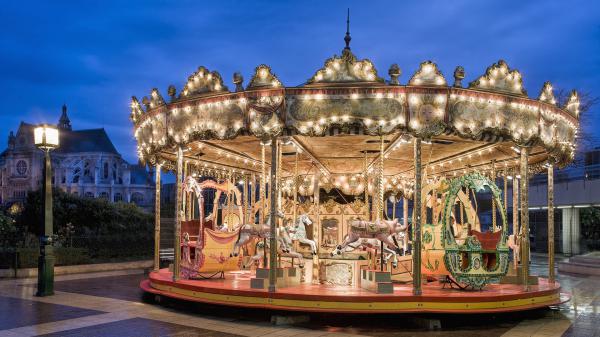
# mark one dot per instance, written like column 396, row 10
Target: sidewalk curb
column 78, row 269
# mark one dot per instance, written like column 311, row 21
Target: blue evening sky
column 94, row 55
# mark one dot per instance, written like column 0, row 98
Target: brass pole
column 279, row 164
column 245, row 203
column 273, row 222
column 157, row 218
column 493, row 199
column 551, row 276
column 505, row 191
column 366, row 191
column 178, row 214
column 515, row 213
column 417, row 220
column 316, row 226
column 405, row 211
column 380, row 181
column 230, row 196
column 263, row 181
column 295, row 187
column 184, row 194
column 252, row 198
column 525, row 216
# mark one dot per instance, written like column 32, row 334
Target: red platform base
column 235, row 290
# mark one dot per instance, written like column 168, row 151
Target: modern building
column 86, row 163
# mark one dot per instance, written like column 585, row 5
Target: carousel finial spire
column 347, row 38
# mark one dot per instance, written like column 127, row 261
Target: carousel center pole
column 525, row 216
column 178, row 214
column 273, row 217
column 417, row 220
column 551, row 276
column 157, row 218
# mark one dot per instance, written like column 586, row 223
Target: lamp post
column 46, row 139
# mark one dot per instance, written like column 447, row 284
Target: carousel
column 355, row 193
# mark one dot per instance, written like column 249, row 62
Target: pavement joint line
column 64, row 325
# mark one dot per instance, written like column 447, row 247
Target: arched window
column 137, row 198
column 118, row 197
column 21, row 167
column 105, row 171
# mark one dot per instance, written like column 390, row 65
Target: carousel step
column 286, row 277
column 377, row 281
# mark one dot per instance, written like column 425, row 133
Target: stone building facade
column 86, row 163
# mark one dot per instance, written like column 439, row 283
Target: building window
column 21, row 167
column 89, row 195
column 118, row 197
column 19, row 194
column 105, row 173
column 137, row 198
column 103, row 195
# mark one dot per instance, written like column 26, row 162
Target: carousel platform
column 235, row 290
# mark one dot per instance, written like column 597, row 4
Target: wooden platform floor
column 235, row 290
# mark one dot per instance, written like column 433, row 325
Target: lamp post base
column 45, row 276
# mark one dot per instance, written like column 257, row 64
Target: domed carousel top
column 348, row 97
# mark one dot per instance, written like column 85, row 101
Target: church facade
column 86, row 164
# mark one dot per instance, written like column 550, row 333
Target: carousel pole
column 263, row 181
column 515, row 213
column 245, row 202
column 157, row 218
column 316, row 226
column 178, row 214
column 505, row 190
column 252, row 188
column 525, row 216
column 184, row 194
column 551, row 275
column 295, row 187
column 494, row 206
column 404, row 211
column 273, row 222
column 366, row 190
column 417, row 220
column 380, row 181
column 230, row 196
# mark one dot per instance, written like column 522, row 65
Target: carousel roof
column 335, row 119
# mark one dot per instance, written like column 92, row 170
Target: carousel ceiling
column 334, row 123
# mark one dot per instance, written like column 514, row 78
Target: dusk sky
column 94, row 55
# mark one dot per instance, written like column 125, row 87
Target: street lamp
column 46, row 138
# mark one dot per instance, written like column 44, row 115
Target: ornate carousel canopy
column 337, row 120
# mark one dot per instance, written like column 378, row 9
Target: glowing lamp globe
column 45, row 137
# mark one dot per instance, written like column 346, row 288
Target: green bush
column 94, row 230
column 63, row 256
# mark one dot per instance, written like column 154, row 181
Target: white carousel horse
column 260, row 253
column 298, row 232
column 262, row 231
column 382, row 230
column 374, row 244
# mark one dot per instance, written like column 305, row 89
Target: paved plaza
column 111, row 304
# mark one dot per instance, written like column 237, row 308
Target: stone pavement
column 111, row 304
